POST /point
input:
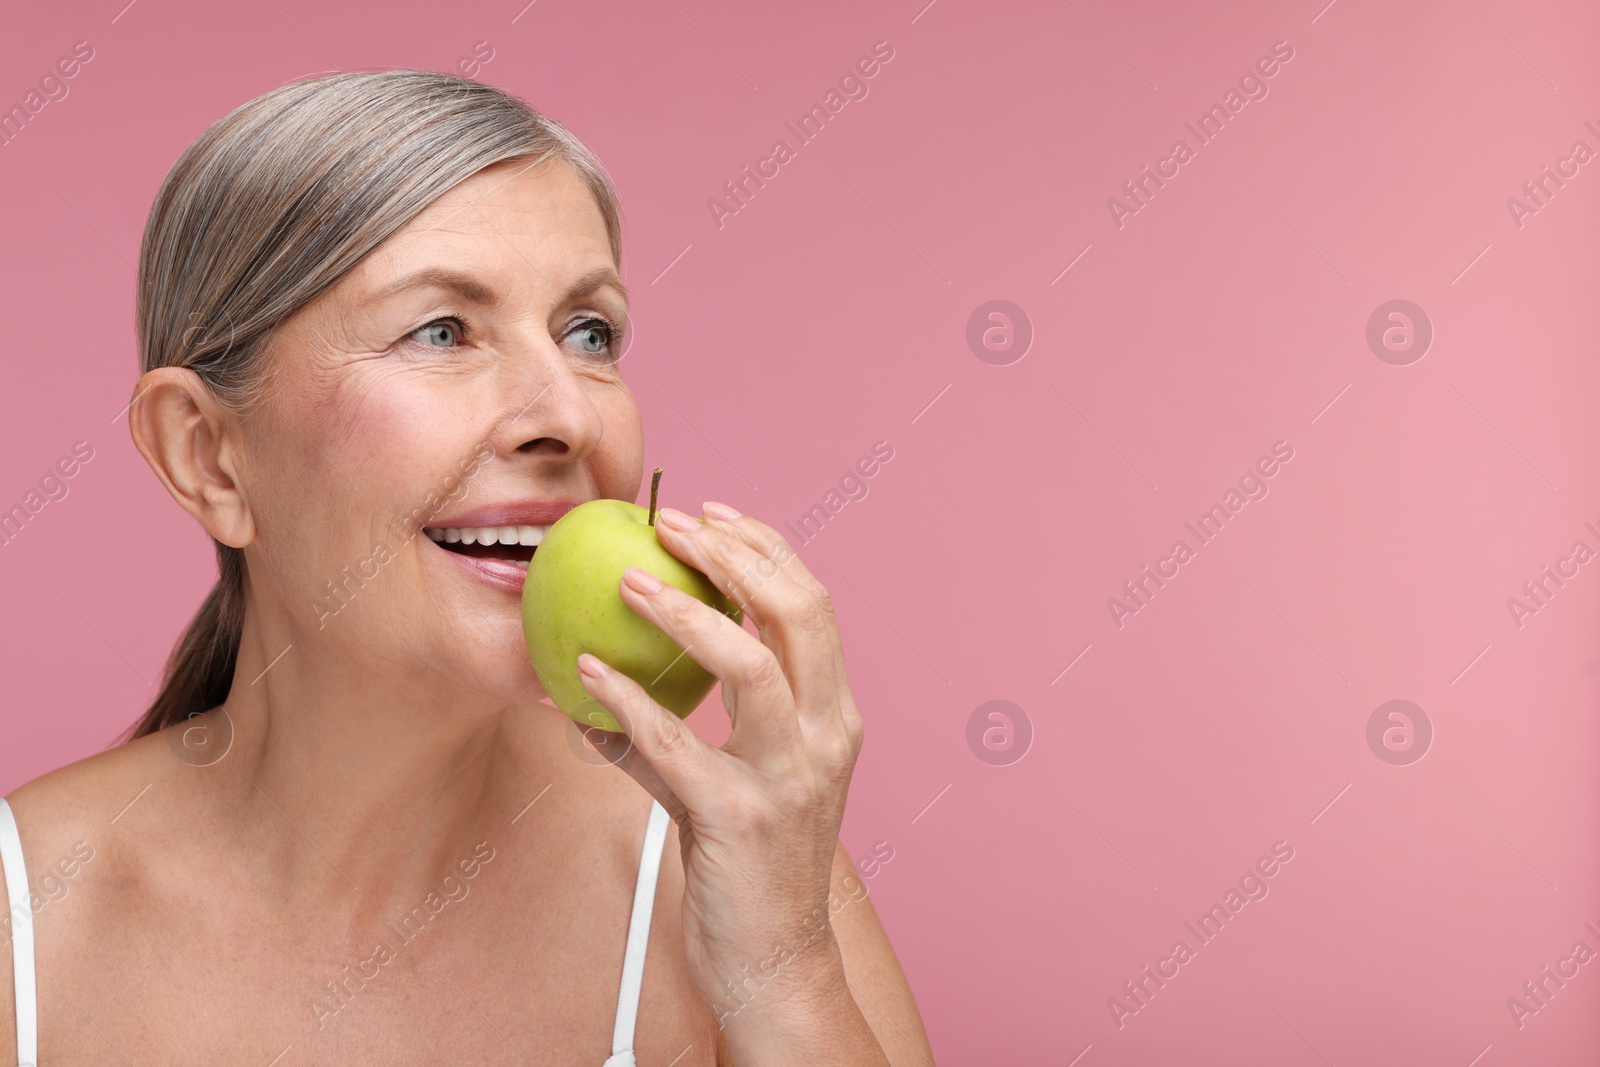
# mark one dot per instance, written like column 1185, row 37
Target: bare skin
column 380, row 753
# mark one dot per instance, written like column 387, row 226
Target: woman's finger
column 771, row 545
column 755, row 691
column 830, row 721
column 797, row 626
column 681, row 762
column 616, row 749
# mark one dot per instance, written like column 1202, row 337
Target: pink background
column 825, row 316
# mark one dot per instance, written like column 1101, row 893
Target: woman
column 377, row 310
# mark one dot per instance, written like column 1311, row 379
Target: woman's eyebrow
column 464, row 285
column 469, row 288
column 598, row 279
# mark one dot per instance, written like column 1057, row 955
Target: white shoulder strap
column 16, row 874
column 644, row 900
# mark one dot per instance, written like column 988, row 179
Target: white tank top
column 21, row 902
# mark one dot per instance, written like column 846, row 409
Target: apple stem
column 655, row 486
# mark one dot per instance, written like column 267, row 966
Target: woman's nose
column 554, row 414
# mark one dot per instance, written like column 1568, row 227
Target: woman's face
column 463, row 377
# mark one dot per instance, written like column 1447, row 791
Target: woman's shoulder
column 86, row 799
column 69, row 822
column 79, row 828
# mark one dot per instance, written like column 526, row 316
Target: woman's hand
column 759, row 818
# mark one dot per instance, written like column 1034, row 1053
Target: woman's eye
column 593, row 337
column 446, row 333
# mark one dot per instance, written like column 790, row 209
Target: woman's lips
column 481, row 540
column 514, row 513
column 500, row 573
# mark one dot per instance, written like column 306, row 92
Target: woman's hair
column 267, row 209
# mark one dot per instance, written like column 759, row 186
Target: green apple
column 571, row 604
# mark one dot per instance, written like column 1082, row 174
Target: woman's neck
column 368, row 780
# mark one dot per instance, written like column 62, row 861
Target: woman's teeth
column 490, row 535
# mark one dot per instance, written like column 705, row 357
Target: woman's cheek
column 408, row 435
column 618, row 462
column 336, row 477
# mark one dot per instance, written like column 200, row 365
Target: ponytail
column 199, row 672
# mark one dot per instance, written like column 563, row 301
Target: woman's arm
column 878, row 994
column 780, row 940
column 876, row 981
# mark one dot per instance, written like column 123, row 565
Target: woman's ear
column 192, row 443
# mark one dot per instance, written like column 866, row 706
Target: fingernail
column 641, row 581
column 674, row 519
column 721, row 511
column 592, row 666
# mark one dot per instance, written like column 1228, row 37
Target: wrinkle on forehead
column 562, row 234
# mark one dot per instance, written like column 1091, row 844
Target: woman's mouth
column 497, row 555
column 494, row 543
column 515, row 544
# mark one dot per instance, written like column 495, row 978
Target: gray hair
column 266, row 210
